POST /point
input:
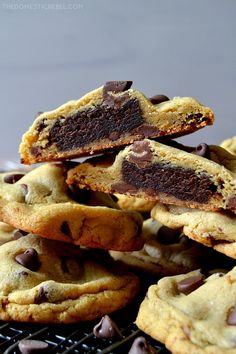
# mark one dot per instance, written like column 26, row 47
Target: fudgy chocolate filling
column 97, row 123
column 182, row 183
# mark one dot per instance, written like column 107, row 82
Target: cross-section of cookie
column 199, row 310
column 214, row 229
column 40, row 202
column 53, row 282
column 203, row 178
column 111, row 116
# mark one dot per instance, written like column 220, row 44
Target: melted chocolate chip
column 13, row 178
column 141, row 346
column 83, row 127
column 29, row 259
column 107, row 329
column 167, row 236
column 231, row 202
column 231, row 319
column 116, row 86
column 202, row 150
column 180, row 182
column 32, row 346
column 158, row 99
column 187, row 285
column 41, row 296
column 18, row 234
column 65, row 229
column 141, row 153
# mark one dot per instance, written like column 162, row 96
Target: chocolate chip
column 24, row 188
column 167, row 236
column 41, row 296
column 107, row 329
column 81, row 196
column 158, row 99
column 18, row 234
column 65, row 228
column 202, row 150
column 31, row 346
column 141, row 346
column 13, row 178
column 141, row 153
column 29, row 259
column 116, row 86
column 187, row 285
column 231, row 319
column 114, row 198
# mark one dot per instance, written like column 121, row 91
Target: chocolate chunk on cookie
column 153, row 171
column 109, row 117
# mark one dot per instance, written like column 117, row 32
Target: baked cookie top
column 50, row 281
column 191, row 313
column 203, row 178
column 215, row 229
column 111, row 116
column 40, row 202
column 230, row 145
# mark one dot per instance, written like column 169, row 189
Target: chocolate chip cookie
column 40, row 202
column 53, row 282
column 203, row 178
column 215, row 229
column 192, row 313
column 165, row 252
column 111, row 116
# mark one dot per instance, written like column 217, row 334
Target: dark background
column 53, row 51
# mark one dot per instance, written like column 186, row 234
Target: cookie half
column 109, row 117
column 215, row 229
column 52, row 282
column 41, row 203
column 192, row 314
column 204, row 179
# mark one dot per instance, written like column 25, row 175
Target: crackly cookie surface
column 216, row 229
column 191, row 313
column 53, row 282
column 111, row 116
column 41, row 202
column 165, row 252
column 230, row 145
column 203, row 178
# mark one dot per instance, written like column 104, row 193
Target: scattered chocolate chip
column 141, row 346
column 116, row 86
column 187, row 285
column 18, row 234
column 13, row 178
column 107, row 329
column 23, row 274
column 24, row 188
column 65, row 229
column 31, row 346
column 81, row 196
column 114, row 198
column 202, row 150
column 167, row 236
column 158, row 99
column 41, row 296
column 29, row 259
column 231, row 319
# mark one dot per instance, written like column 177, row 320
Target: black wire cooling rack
column 77, row 338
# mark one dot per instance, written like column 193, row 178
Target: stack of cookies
column 65, row 209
